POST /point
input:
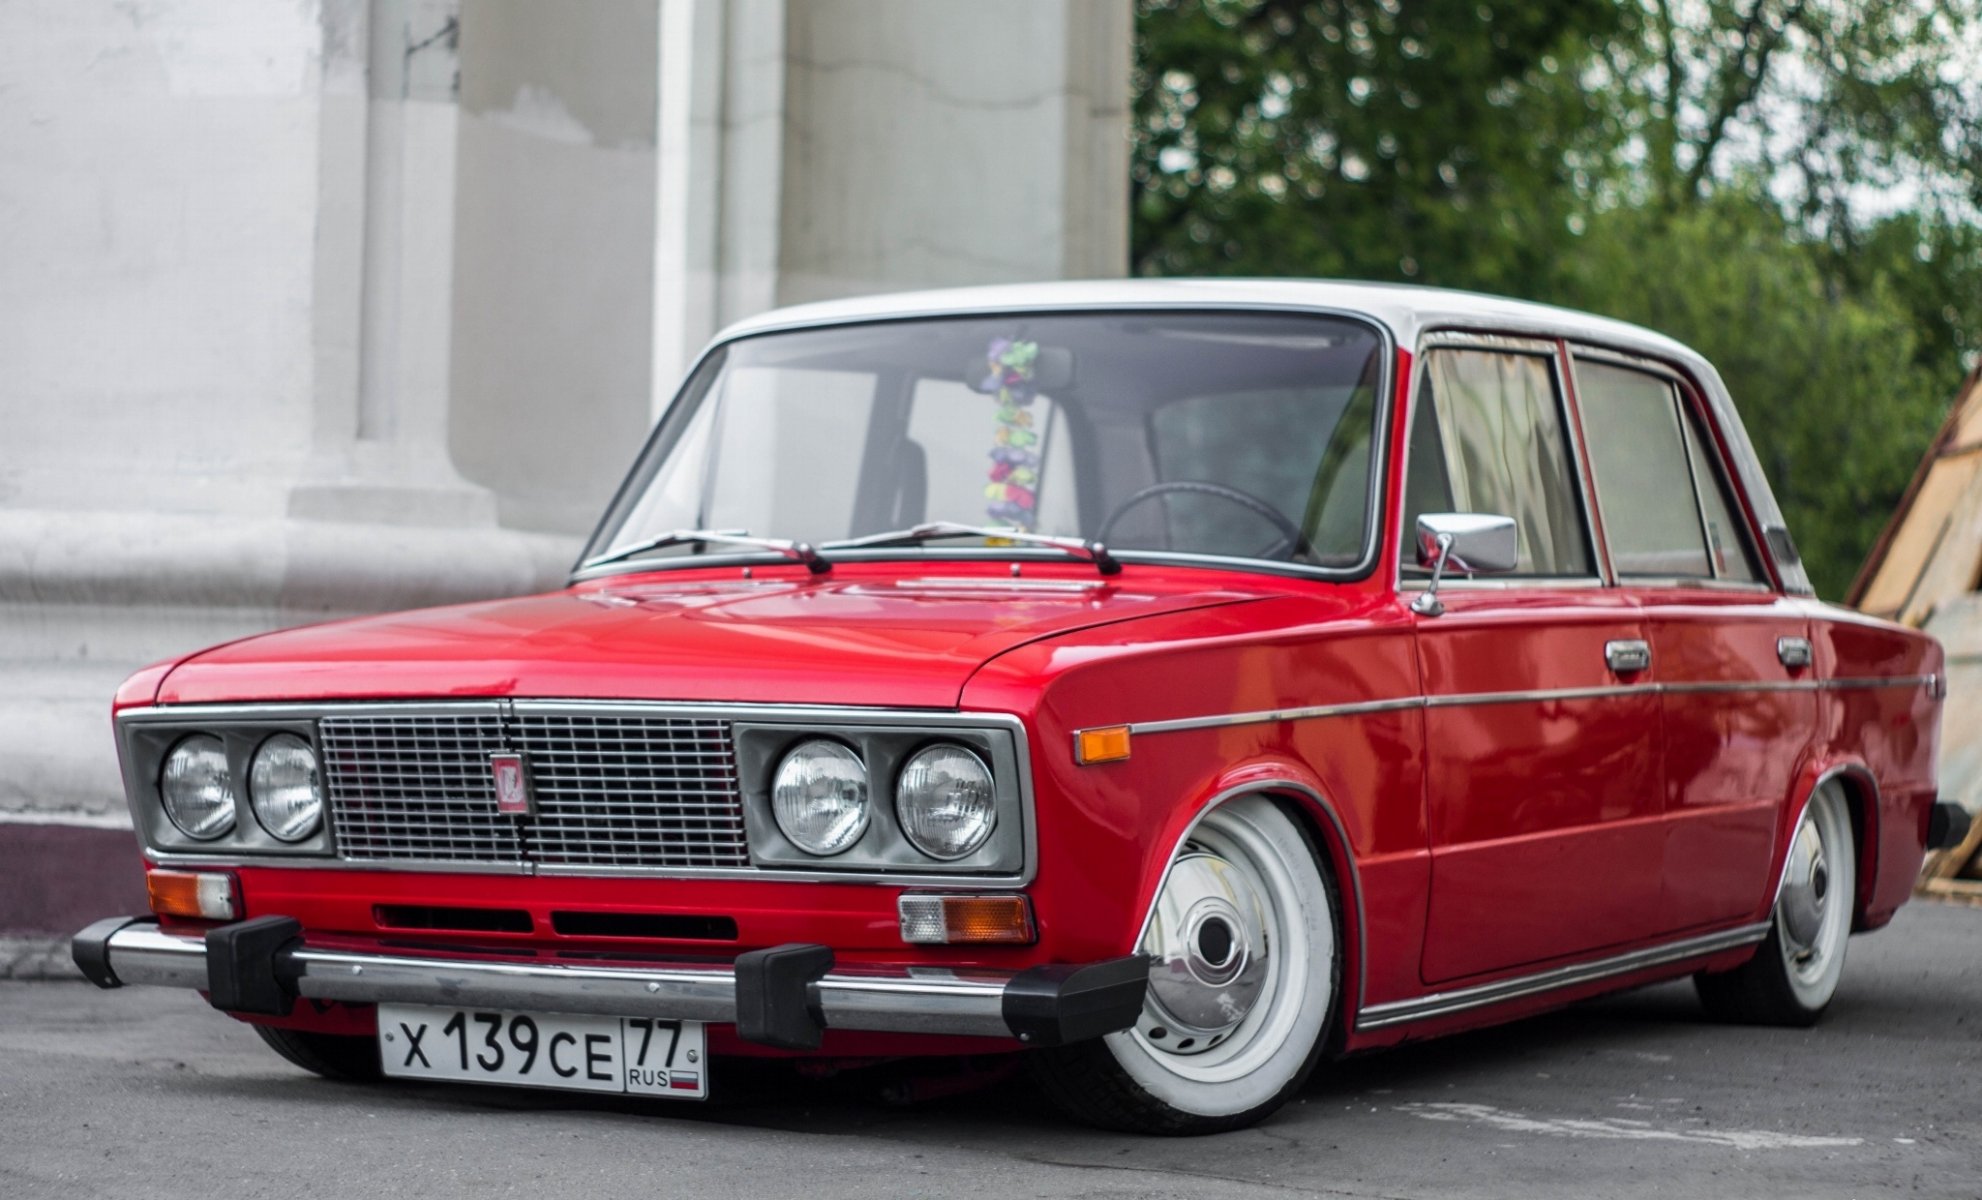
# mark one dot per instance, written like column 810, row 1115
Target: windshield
column 1229, row 435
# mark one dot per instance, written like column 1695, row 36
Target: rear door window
column 1488, row 436
column 1667, row 513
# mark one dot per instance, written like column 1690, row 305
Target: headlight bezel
column 147, row 736
column 885, row 744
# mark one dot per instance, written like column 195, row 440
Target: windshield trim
column 1362, row 569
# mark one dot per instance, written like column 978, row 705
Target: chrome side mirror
column 1469, row 543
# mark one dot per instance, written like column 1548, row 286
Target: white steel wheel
column 1243, row 980
column 1794, row 974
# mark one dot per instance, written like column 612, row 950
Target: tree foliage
column 1792, row 186
column 1359, row 138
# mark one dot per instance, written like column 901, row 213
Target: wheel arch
column 1303, row 800
column 1862, row 800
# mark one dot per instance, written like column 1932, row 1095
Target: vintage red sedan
column 1174, row 683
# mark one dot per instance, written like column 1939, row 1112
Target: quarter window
column 1488, row 437
column 1667, row 512
column 1734, row 557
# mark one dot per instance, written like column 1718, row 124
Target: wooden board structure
column 1931, row 548
column 1925, row 571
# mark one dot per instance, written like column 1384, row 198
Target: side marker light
column 1110, row 744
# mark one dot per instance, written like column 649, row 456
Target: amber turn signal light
column 949, row 920
column 1102, row 745
column 198, row 894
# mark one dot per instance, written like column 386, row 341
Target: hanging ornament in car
column 1010, row 497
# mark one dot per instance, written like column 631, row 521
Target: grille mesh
column 631, row 791
column 403, row 787
column 612, row 790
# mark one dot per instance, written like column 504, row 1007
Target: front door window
column 1488, row 437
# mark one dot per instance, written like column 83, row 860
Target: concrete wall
column 952, row 142
column 158, row 207
column 319, row 307
column 553, row 262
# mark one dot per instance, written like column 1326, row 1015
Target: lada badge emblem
column 512, row 784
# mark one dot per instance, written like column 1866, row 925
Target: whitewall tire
column 1246, row 968
column 1795, row 972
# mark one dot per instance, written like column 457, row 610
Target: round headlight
column 820, row 797
column 945, row 801
column 197, row 789
column 283, row 787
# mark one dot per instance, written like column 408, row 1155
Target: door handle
column 1794, row 652
column 1627, row 656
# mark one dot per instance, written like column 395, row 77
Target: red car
column 1174, row 683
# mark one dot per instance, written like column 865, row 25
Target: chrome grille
column 416, row 787
column 612, row 789
column 633, row 791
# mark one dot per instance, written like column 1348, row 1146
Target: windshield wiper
column 801, row 551
column 1093, row 552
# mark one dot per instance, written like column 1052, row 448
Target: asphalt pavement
column 148, row 1094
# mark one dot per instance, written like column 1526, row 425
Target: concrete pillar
column 862, row 146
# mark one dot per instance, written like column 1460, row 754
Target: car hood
column 845, row 639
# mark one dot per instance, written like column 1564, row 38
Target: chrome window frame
column 825, row 717
column 1375, row 523
column 1507, row 343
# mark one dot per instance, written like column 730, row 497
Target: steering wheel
column 1290, row 542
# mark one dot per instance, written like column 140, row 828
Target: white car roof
column 1407, row 310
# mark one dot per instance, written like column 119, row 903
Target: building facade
column 318, row 307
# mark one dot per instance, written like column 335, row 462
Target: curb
column 55, row 879
column 37, row 958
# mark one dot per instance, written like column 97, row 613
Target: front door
column 1542, row 743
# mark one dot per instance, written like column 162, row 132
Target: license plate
column 644, row 1056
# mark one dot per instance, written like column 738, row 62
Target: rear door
column 1732, row 656
column 1542, row 760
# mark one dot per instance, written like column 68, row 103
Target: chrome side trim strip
column 1312, row 712
column 1742, row 685
column 1444, row 1004
column 1881, row 681
column 1468, row 699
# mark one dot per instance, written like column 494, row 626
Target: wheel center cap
column 1208, row 946
column 1215, row 944
column 1803, row 891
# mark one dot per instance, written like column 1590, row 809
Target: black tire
column 1097, row 1083
column 1790, row 981
column 331, row 1055
column 1085, row 1082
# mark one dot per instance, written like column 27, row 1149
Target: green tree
column 1442, row 142
column 1792, row 186
column 1831, row 383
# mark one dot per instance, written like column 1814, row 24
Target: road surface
column 148, row 1094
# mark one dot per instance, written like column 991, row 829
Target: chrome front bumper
column 784, row 996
